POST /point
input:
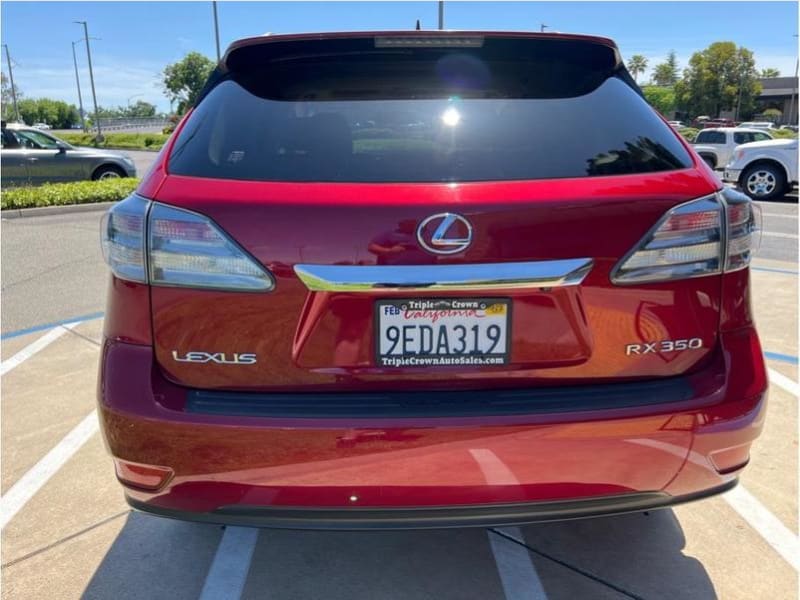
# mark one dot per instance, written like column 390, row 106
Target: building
column 780, row 93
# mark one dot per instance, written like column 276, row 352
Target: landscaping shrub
column 689, row 133
column 124, row 141
column 79, row 192
column 782, row 133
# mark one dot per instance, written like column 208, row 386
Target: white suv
column 716, row 145
column 764, row 170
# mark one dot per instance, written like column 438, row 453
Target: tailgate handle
column 467, row 277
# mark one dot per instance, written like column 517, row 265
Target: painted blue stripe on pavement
column 787, row 358
column 35, row 328
column 769, row 270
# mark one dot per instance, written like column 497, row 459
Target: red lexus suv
column 427, row 279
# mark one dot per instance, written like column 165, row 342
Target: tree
column 772, row 114
column 637, row 66
column 770, row 72
column 56, row 113
column 184, row 80
column 666, row 73
column 720, row 78
column 141, row 109
column 661, row 98
column 7, row 100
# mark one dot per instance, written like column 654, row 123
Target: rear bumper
column 731, row 175
column 354, row 519
column 433, row 470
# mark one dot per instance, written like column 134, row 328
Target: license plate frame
column 467, row 359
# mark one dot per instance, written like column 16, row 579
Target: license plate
column 442, row 332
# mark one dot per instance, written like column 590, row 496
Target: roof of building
column 778, row 86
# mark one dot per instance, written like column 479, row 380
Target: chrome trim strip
column 462, row 277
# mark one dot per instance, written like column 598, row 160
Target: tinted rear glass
column 710, row 137
column 425, row 116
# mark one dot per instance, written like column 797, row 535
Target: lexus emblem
column 444, row 233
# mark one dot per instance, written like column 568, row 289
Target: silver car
column 31, row 157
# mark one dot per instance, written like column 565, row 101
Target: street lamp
column 132, row 97
column 542, row 27
column 216, row 27
column 441, row 14
column 78, row 83
column 793, row 84
column 11, row 78
column 91, row 77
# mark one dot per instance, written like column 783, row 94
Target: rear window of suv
column 425, row 116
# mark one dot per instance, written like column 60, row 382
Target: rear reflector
column 694, row 239
column 146, row 477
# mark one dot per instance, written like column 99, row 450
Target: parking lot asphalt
column 143, row 159
column 69, row 534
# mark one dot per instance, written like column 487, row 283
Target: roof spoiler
column 258, row 51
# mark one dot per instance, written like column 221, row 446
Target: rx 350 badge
column 663, row 346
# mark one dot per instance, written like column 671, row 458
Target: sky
column 138, row 39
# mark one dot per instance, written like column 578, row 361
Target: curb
column 19, row 213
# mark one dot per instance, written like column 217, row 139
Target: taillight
column 698, row 238
column 743, row 230
column 122, row 238
column 183, row 249
column 188, row 249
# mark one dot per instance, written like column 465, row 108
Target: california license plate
column 442, row 332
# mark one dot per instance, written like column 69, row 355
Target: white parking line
column 775, row 533
column 784, row 382
column 517, row 573
column 495, row 471
column 30, row 483
column 790, row 236
column 779, row 215
column 228, row 572
column 31, row 349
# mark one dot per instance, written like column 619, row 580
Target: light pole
column 542, row 27
column 441, row 14
column 132, row 97
column 91, row 77
column 78, row 83
column 794, row 83
column 11, row 79
column 216, row 27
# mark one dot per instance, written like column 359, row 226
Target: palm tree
column 637, row 66
column 770, row 72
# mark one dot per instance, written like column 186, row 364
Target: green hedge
column 79, row 192
column 782, row 134
column 689, row 133
column 130, row 141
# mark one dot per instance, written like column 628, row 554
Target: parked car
column 790, row 127
column 757, row 125
column 716, row 146
column 764, row 170
column 676, row 124
column 41, row 126
column 705, row 122
column 501, row 320
column 30, row 156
